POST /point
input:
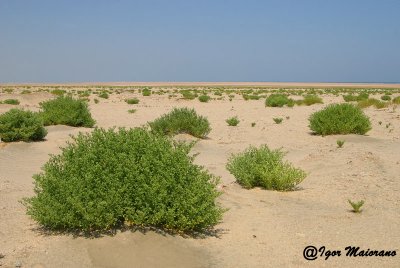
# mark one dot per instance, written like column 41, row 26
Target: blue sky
column 282, row 40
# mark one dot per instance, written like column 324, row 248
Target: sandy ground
column 261, row 228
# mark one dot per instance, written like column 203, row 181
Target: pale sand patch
column 261, row 228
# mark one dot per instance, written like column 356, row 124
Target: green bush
column 204, row 98
column 396, row 100
column 132, row 101
column 372, row 102
column 310, row 100
column 107, row 179
column 66, row 111
column 262, row 167
column 11, row 101
column 386, row 98
column 233, row 121
column 359, row 97
column 188, row 95
column 278, row 100
column 146, row 92
column 182, row 120
column 339, row 119
column 104, row 95
column 278, row 120
column 22, row 125
column 58, row 92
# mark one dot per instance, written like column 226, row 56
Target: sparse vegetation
column 132, row 111
column 103, row 95
column 182, row 120
column 310, row 100
column 20, row 125
column 339, row 119
column 262, row 167
column 66, row 111
column 253, row 124
column 107, row 179
column 278, row 120
column 386, row 98
column 233, row 121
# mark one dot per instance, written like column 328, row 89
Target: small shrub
column 16, row 125
column 132, row 101
column 108, row 179
column 278, row 100
column 11, row 101
column 386, row 98
column 104, row 95
column 356, row 205
column 204, row 98
column 146, row 92
column 233, row 121
column 26, row 91
column 359, row 97
column 182, row 120
column 188, row 95
column 310, row 100
column 253, row 124
column 96, row 101
column 372, row 102
column 340, row 143
column 278, row 120
column 58, row 92
column 132, row 111
column 262, row 167
column 339, row 119
column 251, row 97
column 66, row 111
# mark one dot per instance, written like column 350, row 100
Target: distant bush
column 372, row 102
column 132, row 111
column 204, row 98
column 310, row 100
column 58, row 92
column 278, row 100
column 386, row 98
column 16, row 125
column 11, row 101
column 107, row 179
column 146, row 92
column 278, row 120
column 339, row 119
column 188, row 95
column 132, row 101
column 103, row 95
column 182, row 120
column 262, row 167
column 66, row 111
column 251, row 97
column 26, row 91
column 359, row 97
column 233, row 121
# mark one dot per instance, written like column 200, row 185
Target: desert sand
column 261, row 228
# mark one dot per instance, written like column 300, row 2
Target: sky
column 49, row 41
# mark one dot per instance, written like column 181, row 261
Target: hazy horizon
column 208, row 41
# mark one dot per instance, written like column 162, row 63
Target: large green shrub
column 109, row 178
column 339, row 119
column 278, row 100
column 22, row 125
column 182, row 120
column 262, row 167
column 66, row 111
